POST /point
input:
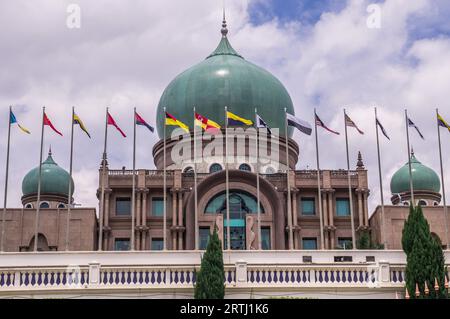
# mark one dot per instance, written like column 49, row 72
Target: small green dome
column 424, row 178
column 54, row 180
column 225, row 78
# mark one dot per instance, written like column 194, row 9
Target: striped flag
column 235, row 120
column 13, row 120
column 299, row 124
column 442, row 122
column 382, row 129
column 208, row 125
column 113, row 123
column 49, row 123
column 260, row 123
column 77, row 120
column 142, row 122
column 350, row 123
column 171, row 120
column 320, row 123
column 411, row 124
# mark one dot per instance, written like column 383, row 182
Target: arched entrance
column 241, row 203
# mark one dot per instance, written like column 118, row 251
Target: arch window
column 423, row 202
column 245, row 167
column 29, row 205
column 215, row 168
column 44, row 205
column 241, row 202
column 189, row 170
column 61, row 205
column 405, row 203
column 270, row 170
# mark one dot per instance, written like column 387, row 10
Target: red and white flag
column 49, row 123
column 350, row 123
column 113, row 123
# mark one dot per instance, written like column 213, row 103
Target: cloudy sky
column 126, row 52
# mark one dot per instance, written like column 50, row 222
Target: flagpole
column 442, row 181
column 6, row 182
column 383, row 239
column 102, row 196
column 289, row 209
column 164, row 186
column 258, row 201
column 411, row 187
column 38, row 206
column 69, row 194
column 133, row 192
column 195, row 186
column 227, row 181
column 319, row 192
column 349, row 185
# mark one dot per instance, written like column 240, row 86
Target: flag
column 411, row 124
column 234, row 120
column 141, row 121
column 320, row 123
column 77, row 120
column 260, row 123
column 382, row 129
column 303, row 126
column 49, row 123
column 443, row 123
column 208, row 125
column 171, row 120
column 113, row 123
column 349, row 122
column 13, row 119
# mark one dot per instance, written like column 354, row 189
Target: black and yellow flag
column 442, row 122
column 77, row 120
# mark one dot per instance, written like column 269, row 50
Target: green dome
column 424, row 178
column 225, row 78
column 54, row 180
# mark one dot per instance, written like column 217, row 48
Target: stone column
column 331, row 217
column 174, row 219
column 325, row 218
column 365, row 211
column 144, row 219
column 360, row 208
column 180, row 220
column 295, row 219
column 137, row 217
column 106, row 213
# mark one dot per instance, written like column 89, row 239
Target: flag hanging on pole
column 442, row 122
column 320, row 123
column 260, row 123
column 49, row 123
column 142, row 122
column 301, row 125
column 235, row 120
column 208, row 125
column 350, row 123
column 13, row 120
column 411, row 124
column 77, row 120
column 113, row 123
column 171, row 120
column 382, row 129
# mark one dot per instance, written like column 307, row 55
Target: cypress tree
column 210, row 278
column 425, row 259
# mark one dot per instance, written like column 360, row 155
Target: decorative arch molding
column 239, row 180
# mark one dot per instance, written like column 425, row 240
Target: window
column 309, row 243
column 123, row 206
column 405, row 203
column 270, row 170
column 204, row 237
column 265, row 238
column 122, row 244
column 29, row 205
column 157, row 206
column 342, row 207
column 189, row 170
column 44, row 205
column 245, row 167
column 215, row 168
column 308, row 206
column 239, row 201
column 422, row 203
column 61, row 206
column 157, row 244
column 345, row 243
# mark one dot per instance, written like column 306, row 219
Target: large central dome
column 225, row 78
